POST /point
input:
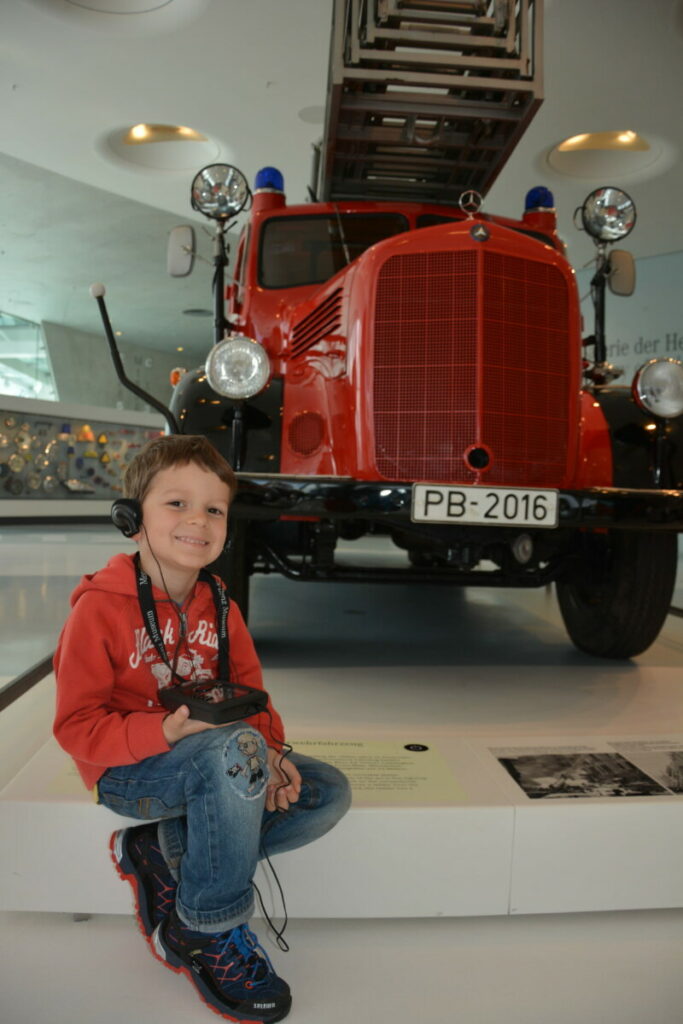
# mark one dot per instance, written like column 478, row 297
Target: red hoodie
column 108, row 672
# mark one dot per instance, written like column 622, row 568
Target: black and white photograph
column 664, row 765
column 553, row 776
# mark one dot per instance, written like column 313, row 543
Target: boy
column 225, row 794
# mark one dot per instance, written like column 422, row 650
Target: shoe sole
column 126, row 872
column 171, row 960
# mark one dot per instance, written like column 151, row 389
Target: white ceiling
column 251, row 75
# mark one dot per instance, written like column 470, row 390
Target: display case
column 59, row 460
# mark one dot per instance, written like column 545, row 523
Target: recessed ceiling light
column 127, row 17
column 312, row 115
column 627, row 140
column 616, row 157
column 160, row 147
column 140, row 134
column 117, row 6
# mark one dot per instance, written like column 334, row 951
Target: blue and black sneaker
column 139, row 860
column 230, row 970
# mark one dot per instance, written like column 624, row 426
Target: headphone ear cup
column 126, row 515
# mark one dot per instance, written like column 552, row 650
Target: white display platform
column 475, row 677
column 450, row 835
column 378, row 862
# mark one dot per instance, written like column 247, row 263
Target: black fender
column 199, row 410
column 646, row 450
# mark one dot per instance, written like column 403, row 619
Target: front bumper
column 268, row 497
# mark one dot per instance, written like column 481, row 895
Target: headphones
column 126, row 515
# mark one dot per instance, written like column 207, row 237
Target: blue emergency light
column 539, row 198
column 269, row 178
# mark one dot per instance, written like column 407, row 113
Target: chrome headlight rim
column 598, row 224
column 642, row 392
column 227, row 361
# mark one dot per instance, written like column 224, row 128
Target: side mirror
column 622, row 274
column 180, row 251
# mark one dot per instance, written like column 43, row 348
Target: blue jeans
column 210, row 790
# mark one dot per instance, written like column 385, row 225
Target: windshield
column 310, row 250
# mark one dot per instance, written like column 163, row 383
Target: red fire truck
column 393, row 359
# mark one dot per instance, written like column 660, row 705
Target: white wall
column 84, row 372
column 649, row 323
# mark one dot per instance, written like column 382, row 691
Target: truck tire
column 617, row 591
column 233, row 565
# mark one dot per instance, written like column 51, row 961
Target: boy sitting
column 225, row 794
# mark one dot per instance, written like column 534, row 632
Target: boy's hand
column 279, row 799
column 179, row 724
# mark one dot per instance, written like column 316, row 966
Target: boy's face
column 185, row 515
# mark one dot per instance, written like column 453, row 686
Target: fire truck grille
column 439, row 390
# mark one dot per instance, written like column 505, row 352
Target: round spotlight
column 219, row 191
column 608, row 214
column 658, row 387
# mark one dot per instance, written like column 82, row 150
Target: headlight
column 608, row 214
column 238, row 367
column 658, row 387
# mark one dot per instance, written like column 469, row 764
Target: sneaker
column 139, row 860
column 231, row 970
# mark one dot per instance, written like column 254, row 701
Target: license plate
column 484, row 506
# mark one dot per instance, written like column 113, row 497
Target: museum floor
column 371, row 661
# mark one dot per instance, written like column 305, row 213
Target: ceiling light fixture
column 155, row 147
column 133, row 18
column 142, row 133
column 623, row 156
column 604, row 140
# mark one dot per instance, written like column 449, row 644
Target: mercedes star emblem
column 480, row 233
column 470, row 202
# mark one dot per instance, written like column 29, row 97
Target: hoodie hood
column 117, row 577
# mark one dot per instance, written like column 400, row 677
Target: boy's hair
column 174, row 450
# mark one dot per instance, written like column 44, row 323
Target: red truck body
column 429, row 345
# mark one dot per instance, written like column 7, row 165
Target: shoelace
column 253, row 956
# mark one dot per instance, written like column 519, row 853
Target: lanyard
column 149, row 616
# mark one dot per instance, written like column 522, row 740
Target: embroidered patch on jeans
column 246, row 762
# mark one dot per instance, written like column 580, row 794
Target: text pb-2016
column 492, row 506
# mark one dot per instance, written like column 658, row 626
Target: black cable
column 285, row 749
column 279, row 935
